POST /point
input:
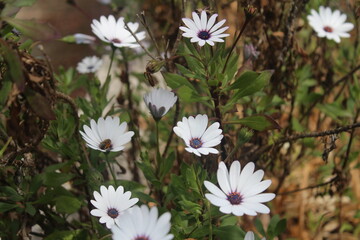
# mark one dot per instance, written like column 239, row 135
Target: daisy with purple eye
column 240, row 191
column 329, row 24
column 113, row 31
column 202, row 30
column 110, row 204
column 89, row 65
column 142, row 223
column 198, row 138
column 107, row 135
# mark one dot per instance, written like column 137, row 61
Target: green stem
column 158, row 156
column 210, row 222
column 111, row 169
column 113, row 48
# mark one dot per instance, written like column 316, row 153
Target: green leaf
column 149, row 173
column 14, row 64
column 4, row 207
column 176, row 81
column 54, row 179
column 10, row 193
column 67, row 204
column 191, row 207
column 280, row 227
column 166, row 166
column 258, row 122
column 229, row 233
column 20, row 3
column 36, row 30
column 259, row 226
column 30, row 209
column 249, row 83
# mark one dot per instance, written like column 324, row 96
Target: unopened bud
column 149, row 77
column 250, row 11
column 155, row 65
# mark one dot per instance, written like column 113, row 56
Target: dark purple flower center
column 234, row 198
column 328, row 29
column 204, row 35
column 196, row 143
column 113, row 213
column 142, row 237
column 106, row 145
column 90, row 67
column 115, row 40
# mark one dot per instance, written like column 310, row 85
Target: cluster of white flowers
column 240, row 191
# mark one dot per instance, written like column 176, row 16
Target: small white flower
column 89, row 65
column 197, row 138
column 329, row 24
column 81, row 38
column 110, row 204
column 142, row 224
column 250, row 236
column 114, row 32
column 107, row 135
column 240, row 191
column 203, row 31
column 159, row 101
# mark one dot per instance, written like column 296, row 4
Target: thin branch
column 310, row 187
column 138, row 41
column 301, row 136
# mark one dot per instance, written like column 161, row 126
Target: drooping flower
column 240, row 191
column 159, row 101
column 202, row 30
column 251, row 236
column 111, row 31
column 197, row 138
column 329, row 24
column 110, row 204
column 81, row 38
column 107, row 134
column 140, row 223
column 89, row 65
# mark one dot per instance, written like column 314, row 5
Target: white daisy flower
column 251, row 236
column 140, row 223
column 81, row 38
column 239, row 192
column 114, row 32
column 159, row 101
column 89, row 65
column 110, row 204
column 107, row 134
column 202, row 30
column 329, row 24
column 197, row 138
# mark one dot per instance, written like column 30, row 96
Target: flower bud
column 154, row 65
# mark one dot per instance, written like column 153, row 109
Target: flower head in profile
column 202, row 30
column 251, row 236
column 198, row 138
column 240, row 191
column 110, row 204
column 140, row 223
column 329, row 24
column 107, row 134
column 89, row 65
column 81, row 38
column 159, row 101
column 113, row 31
